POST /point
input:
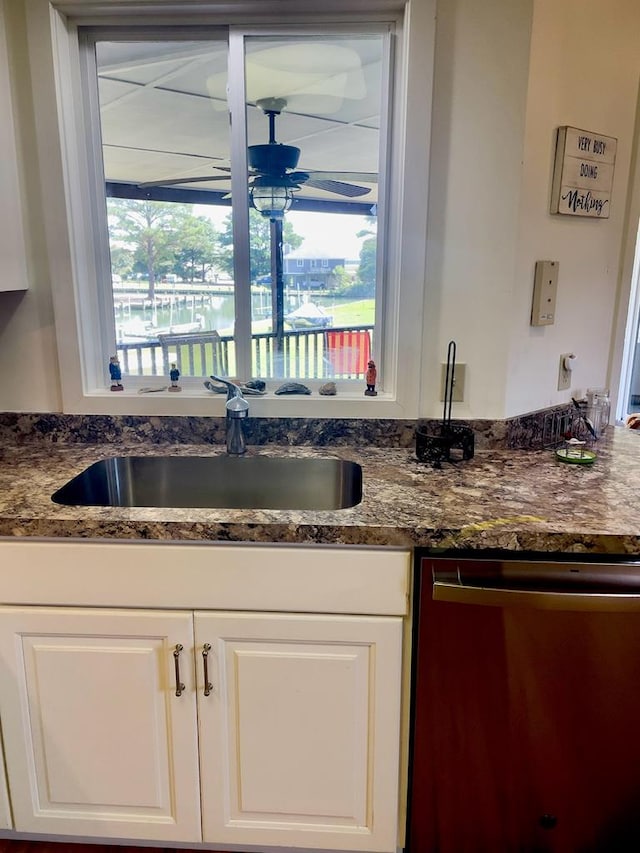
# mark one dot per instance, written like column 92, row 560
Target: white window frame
column 71, row 229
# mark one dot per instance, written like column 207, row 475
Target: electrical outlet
column 564, row 371
column 458, row 382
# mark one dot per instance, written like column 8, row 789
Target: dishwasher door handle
column 588, row 602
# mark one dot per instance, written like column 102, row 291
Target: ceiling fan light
column 271, row 201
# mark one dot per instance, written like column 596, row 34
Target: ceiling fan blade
column 337, row 187
column 169, row 182
column 365, row 177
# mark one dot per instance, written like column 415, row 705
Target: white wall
column 496, row 107
column 482, row 60
column 585, row 67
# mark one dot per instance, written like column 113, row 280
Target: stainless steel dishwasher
column 526, row 706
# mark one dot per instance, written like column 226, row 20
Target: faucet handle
column 233, row 390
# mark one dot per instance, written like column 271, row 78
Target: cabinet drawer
column 205, row 576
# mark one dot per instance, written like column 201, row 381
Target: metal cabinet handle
column 176, row 661
column 208, row 686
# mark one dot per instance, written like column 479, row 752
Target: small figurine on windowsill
column 115, row 373
column 174, row 375
column 370, row 379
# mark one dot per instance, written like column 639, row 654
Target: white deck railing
column 339, row 353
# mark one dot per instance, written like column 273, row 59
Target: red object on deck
column 347, row 352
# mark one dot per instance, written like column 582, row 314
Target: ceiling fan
column 272, row 172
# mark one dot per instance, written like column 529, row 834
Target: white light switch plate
column 545, row 289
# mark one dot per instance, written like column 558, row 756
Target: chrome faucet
column 237, row 410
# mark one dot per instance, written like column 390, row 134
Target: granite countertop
column 522, row 500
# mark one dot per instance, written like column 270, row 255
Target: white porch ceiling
column 164, row 110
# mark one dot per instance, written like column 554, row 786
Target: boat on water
column 135, row 331
column 309, row 315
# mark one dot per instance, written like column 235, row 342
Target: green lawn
column 360, row 312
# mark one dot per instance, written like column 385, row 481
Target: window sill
column 191, row 403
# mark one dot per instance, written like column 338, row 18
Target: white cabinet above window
column 13, row 267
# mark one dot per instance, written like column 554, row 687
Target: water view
column 138, row 319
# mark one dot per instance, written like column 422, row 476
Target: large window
column 244, row 176
column 174, row 235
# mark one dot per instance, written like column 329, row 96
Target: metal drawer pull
column 208, row 686
column 176, row 660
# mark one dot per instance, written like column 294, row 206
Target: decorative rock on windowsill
column 293, row 388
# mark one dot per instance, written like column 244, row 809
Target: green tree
column 341, row 280
column 367, row 270
column 121, row 261
column 150, row 230
column 366, row 275
column 198, row 248
column 260, row 239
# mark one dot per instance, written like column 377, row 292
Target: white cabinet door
column 12, row 243
column 5, row 809
column 299, row 735
column 97, row 742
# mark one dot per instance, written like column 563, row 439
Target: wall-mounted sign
column 583, row 173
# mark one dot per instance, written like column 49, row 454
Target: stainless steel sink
column 246, row 482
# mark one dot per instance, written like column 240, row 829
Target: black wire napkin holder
column 445, row 442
